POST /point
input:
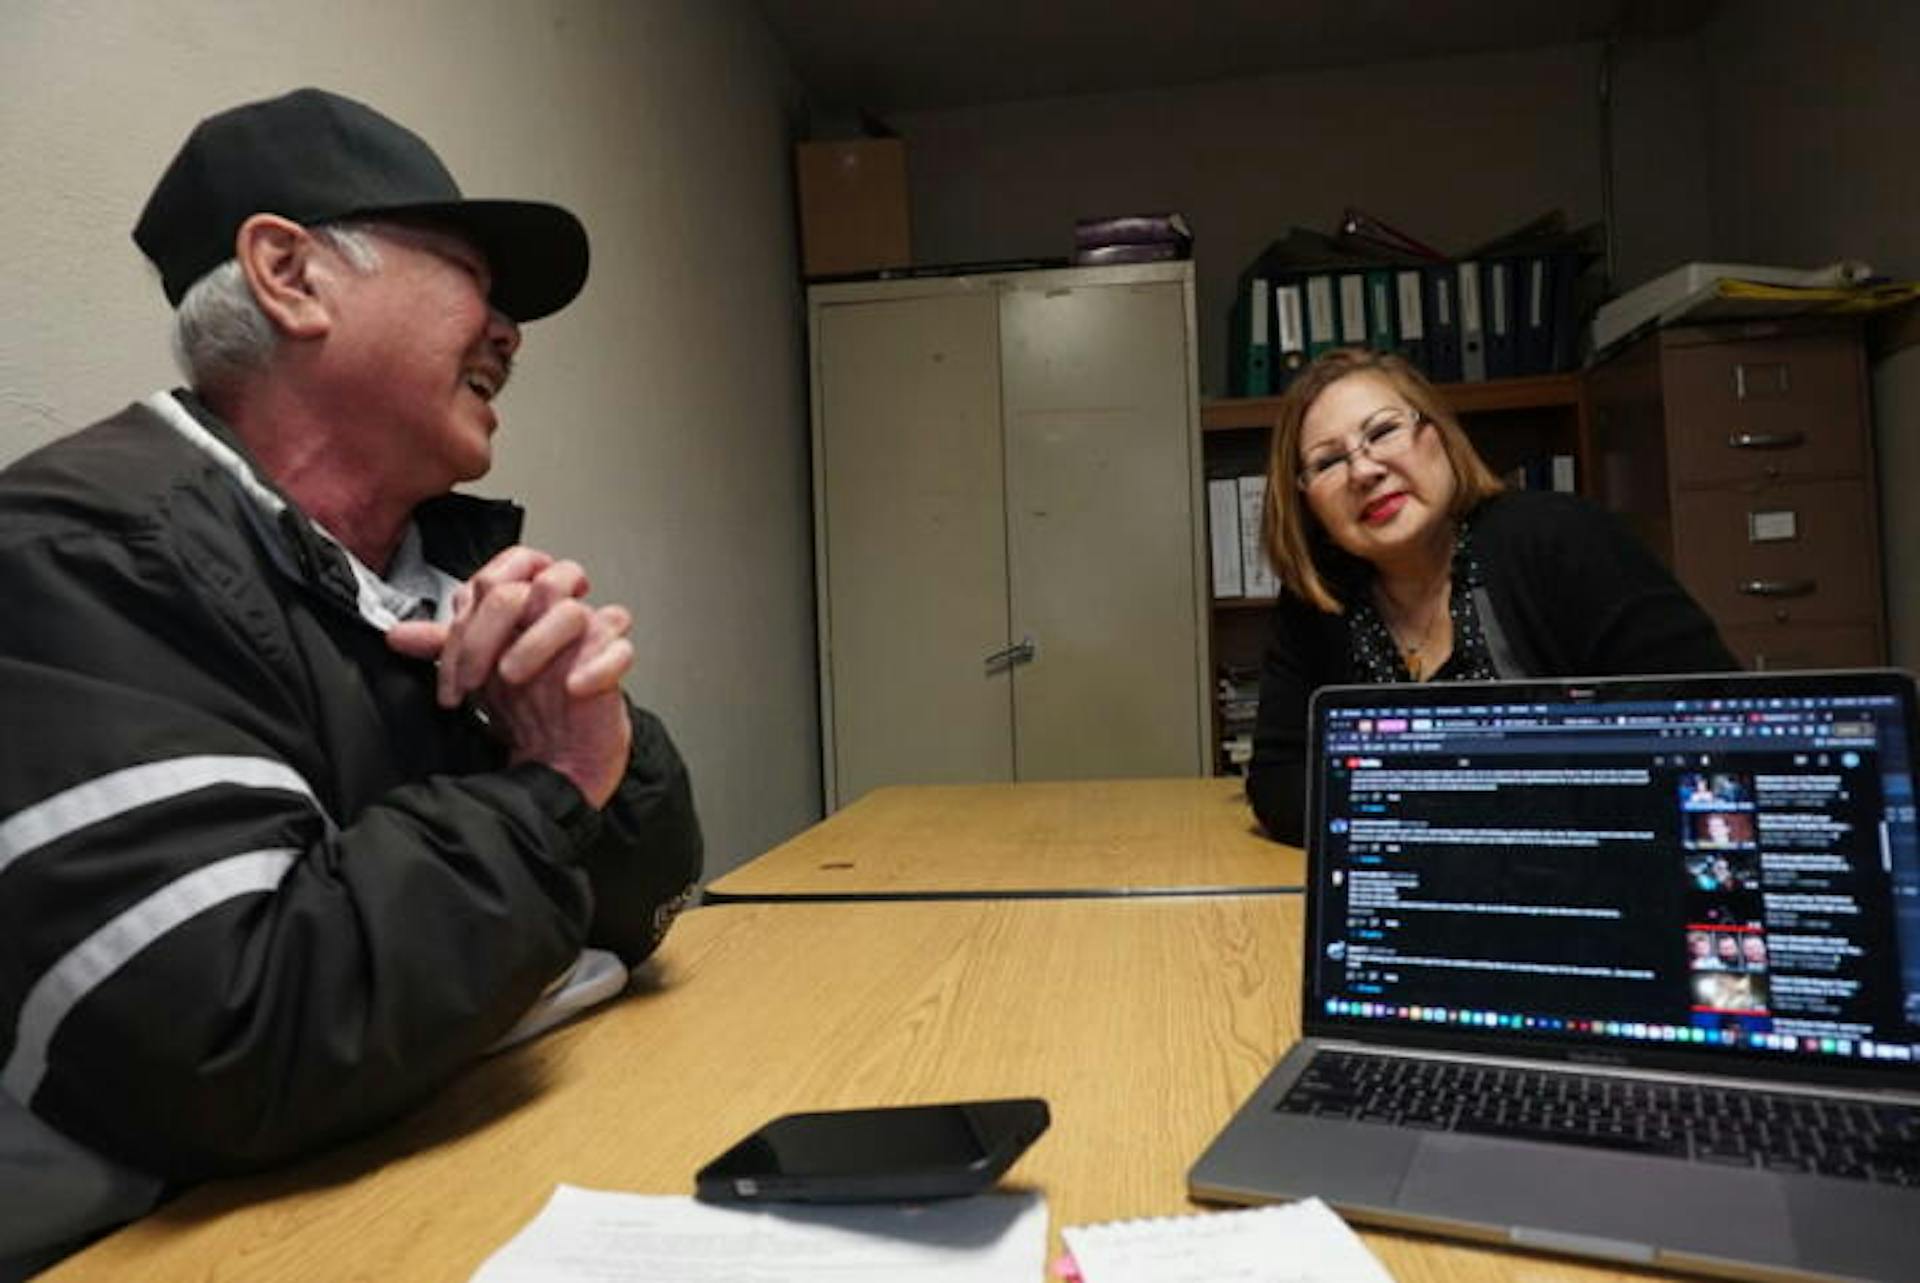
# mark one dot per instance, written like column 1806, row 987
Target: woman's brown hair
column 1288, row 527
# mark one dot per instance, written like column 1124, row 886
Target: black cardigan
column 1572, row 594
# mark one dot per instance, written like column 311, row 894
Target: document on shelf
column 1304, row 1242
column 1223, row 533
column 597, row 1236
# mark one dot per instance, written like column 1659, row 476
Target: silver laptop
column 1625, row 969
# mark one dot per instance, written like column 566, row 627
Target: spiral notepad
column 1303, row 1242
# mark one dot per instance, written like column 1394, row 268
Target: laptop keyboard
column 1736, row 1127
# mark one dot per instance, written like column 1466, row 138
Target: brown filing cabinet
column 1743, row 454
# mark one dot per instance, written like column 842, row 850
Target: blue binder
column 1440, row 308
column 1499, row 295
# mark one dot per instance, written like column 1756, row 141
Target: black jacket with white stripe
column 257, row 891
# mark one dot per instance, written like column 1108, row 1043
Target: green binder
column 1383, row 333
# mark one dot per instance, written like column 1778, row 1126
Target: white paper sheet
column 596, row 976
column 592, row 1236
column 1303, row 1242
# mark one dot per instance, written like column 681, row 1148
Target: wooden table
column 1143, row 1021
column 961, row 841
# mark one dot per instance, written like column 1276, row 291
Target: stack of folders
column 1744, row 291
column 1237, row 694
column 1131, row 238
column 1508, row 308
column 1234, row 513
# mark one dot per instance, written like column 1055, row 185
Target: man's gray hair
column 219, row 329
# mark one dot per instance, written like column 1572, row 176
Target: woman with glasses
column 1403, row 558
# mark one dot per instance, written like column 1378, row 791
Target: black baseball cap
column 316, row 157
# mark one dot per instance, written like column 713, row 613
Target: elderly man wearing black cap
column 315, row 784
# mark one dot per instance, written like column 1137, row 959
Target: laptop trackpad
column 1655, row 1202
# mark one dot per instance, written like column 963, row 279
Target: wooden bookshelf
column 1535, row 392
column 1510, row 421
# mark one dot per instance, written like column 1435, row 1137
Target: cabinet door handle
column 1766, row 440
column 1021, row 652
column 1777, row 587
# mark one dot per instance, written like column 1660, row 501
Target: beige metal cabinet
column 1007, row 528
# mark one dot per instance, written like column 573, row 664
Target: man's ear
column 285, row 272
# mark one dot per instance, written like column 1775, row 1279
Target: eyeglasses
column 1379, row 441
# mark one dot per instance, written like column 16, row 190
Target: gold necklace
column 1410, row 651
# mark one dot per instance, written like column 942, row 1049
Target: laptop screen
column 1725, row 867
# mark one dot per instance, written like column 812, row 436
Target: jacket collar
column 458, row 533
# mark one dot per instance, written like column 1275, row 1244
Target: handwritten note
column 1302, row 1242
column 591, row 1236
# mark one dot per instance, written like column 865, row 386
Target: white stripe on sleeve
column 121, row 791
column 91, row 962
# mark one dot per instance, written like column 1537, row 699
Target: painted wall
column 656, row 429
column 1812, row 110
column 1662, row 198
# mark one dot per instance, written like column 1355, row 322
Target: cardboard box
column 853, row 206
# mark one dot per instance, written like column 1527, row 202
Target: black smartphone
column 868, row 1155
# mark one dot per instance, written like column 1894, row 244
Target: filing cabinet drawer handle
column 1778, row 587
column 1766, row 440
column 1002, row 660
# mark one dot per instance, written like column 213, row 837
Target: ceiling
column 887, row 56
